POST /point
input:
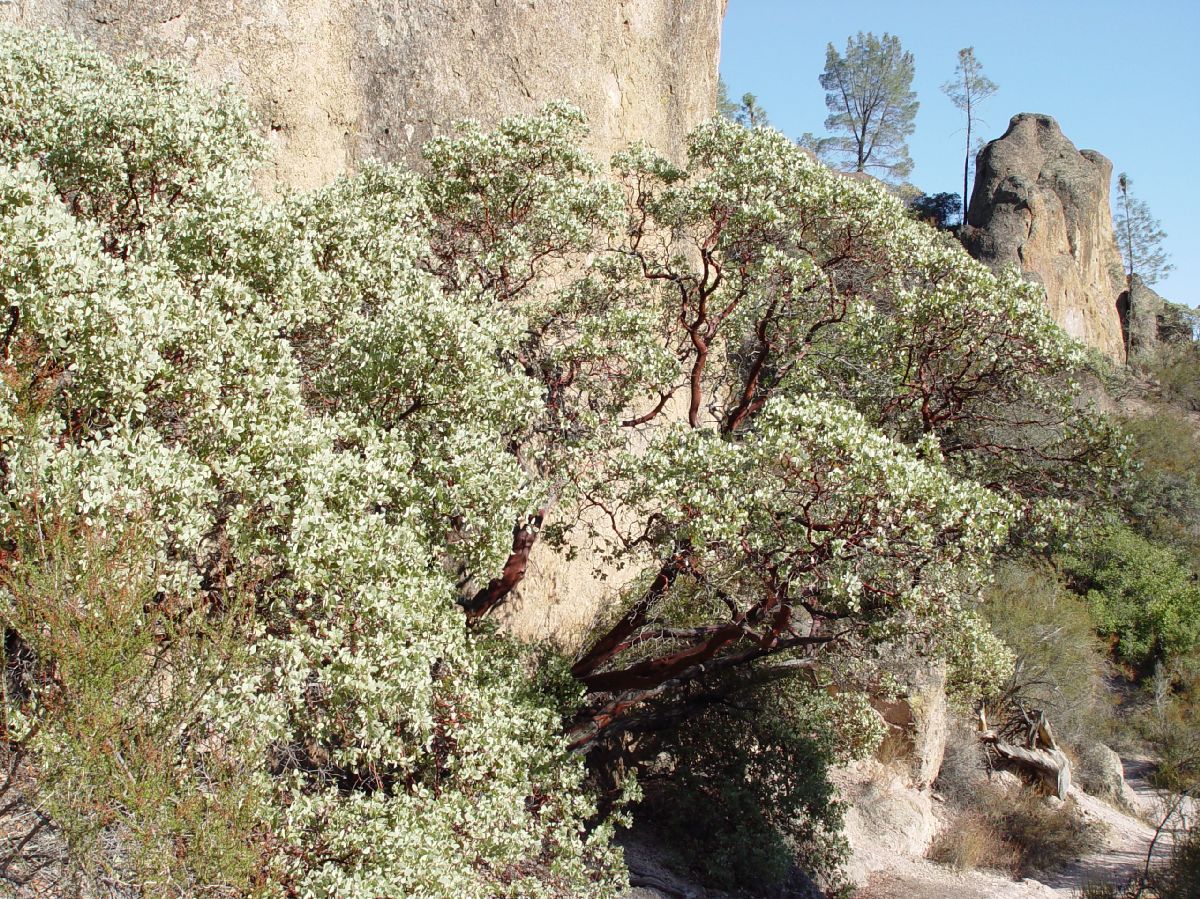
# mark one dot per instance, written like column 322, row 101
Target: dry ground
column 1122, row 856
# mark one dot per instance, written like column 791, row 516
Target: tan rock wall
column 887, row 818
column 337, row 81
column 563, row 600
column 1043, row 206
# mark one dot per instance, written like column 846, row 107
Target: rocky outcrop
column 890, row 804
column 1177, row 323
column 1151, row 321
column 337, row 81
column 887, row 818
column 1043, row 206
column 1102, row 774
column 919, row 720
column 1142, row 308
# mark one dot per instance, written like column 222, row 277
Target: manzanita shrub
column 297, row 411
column 805, row 420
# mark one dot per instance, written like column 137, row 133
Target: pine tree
column 747, row 111
column 751, row 114
column 1140, row 236
column 967, row 89
column 871, row 103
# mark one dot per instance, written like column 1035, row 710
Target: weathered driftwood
column 1041, row 755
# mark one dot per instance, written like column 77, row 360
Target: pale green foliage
column 340, row 403
column 862, row 379
column 872, row 106
column 978, row 662
column 822, row 457
column 516, row 203
column 1140, row 236
column 124, row 145
column 967, row 89
column 304, row 414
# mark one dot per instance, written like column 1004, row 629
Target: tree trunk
column 967, row 164
column 498, row 588
column 1042, row 754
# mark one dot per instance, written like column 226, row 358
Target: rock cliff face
column 1143, row 308
column 1042, row 205
column 1151, row 320
column 337, row 81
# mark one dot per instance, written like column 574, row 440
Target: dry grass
column 1016, row 831
column 972, row 841
column 1048, row 833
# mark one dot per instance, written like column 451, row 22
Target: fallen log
column 1041, row 755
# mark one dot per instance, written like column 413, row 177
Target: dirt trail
column 1122, row 856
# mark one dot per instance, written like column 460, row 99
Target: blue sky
column 1121, row 77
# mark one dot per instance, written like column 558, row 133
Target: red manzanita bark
column 498, row 588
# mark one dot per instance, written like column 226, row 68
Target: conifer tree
column 871, row 103
column 967, row 89
column 1140, row 236
column 747, row 111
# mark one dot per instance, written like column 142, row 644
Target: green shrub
column 108, row 745
column 1162, row 498
column 937, row 209
column 1059, row 664
column 338, row 405
column 1141, row 594
column 745, row 794
column 1168, row 719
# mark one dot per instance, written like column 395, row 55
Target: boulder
column 1103, row 775
column 931, row 717
column 920, row 717
column 335, row 81
column 1151, row 321
column 1041, row 205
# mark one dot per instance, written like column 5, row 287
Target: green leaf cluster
column 1141, row 594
